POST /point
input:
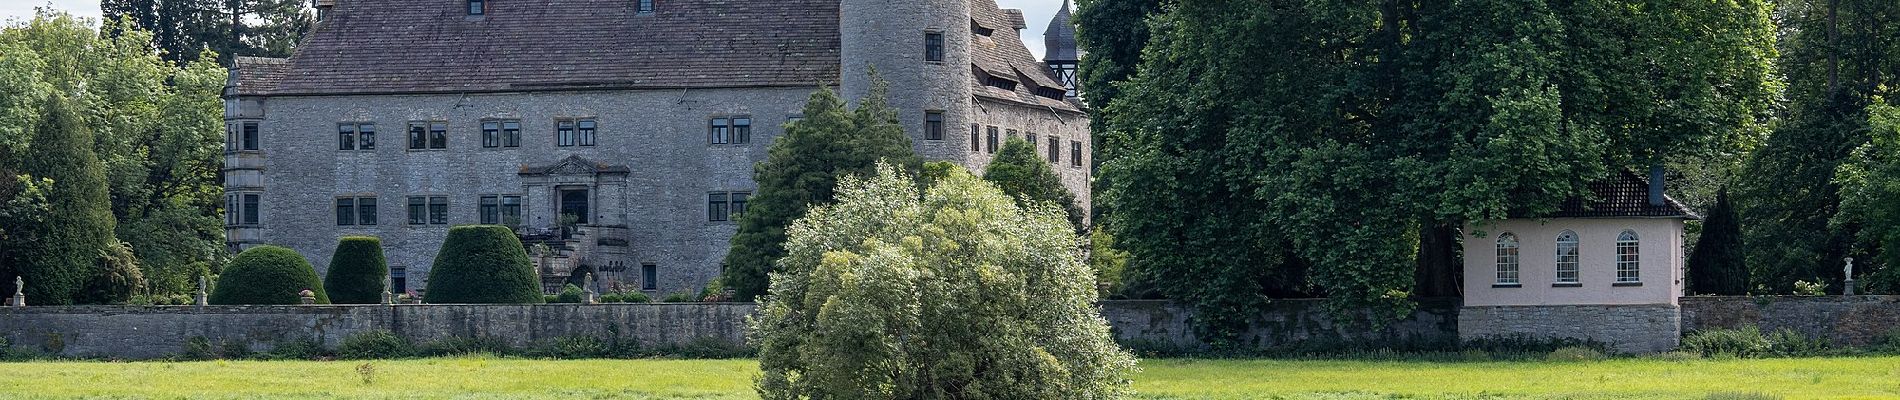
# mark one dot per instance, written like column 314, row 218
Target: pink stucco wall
column 1660, row 250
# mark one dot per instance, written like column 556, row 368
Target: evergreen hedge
column 267, row 275
column 357, row 271
column 483, row 264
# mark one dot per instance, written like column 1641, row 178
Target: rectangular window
column 346, row 137
column 511, row 133
column 438, row 135
column 738, row 203
column 646, row 6
column 366, row 211
column 231, row 209
column 1011, row 134
column 994, row 142
column 1075, row 153
column 418, row 210
column 564, row 130
column 1031, row 138
column 649, row 276
column 1507, row 260
column 511, row 210
column 346, row 211
column 418, row 136
column 1567, row 258
column 438, row 210
column 742, row 130
column 476, row 7
column 933, row 125
column 250, row 135
column 251, row 204
column 366, row 136
column 1629, row 265
column 398, row 279
column 230, row 137
column 933, row 46
column 717, row 134
column 491, row 133
column 976, row 141
column 586, row 127
column 716, row 207
column 1055, row 150
column 491, row 209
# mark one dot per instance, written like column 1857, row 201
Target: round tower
column 922, row 49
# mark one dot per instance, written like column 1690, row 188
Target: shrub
column 458, row 346
column 612, row 298
column 115, row 276
column 267, row 275
column 572, row 347
column 357, row 271
column 1888, row 343
column 1746, row 342
column 295, row 349
column 570, row 294
column 235, row 350
column 637, row 297
column 960, row 284
column 1788, row 343
column 198, row 348
column 681, row 297
column 1575, row 354
column 376, row 344
column 482, row 264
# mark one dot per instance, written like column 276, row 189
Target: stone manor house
column 616, row 136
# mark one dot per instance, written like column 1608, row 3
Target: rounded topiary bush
column 482, row 264
column 267, row 275
column 357, row 270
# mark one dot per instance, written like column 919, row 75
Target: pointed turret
column 1060, row 49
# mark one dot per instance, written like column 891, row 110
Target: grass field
column 498, row 378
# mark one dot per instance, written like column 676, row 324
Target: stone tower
column 893, row 37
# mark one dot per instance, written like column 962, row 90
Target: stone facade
column 646, row 183
column 1625, row 328
column 1842, row 320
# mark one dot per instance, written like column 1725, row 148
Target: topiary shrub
column 357, row 271
column 570, row 294
column 267, row 275
column 483, row 264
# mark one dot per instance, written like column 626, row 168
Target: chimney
column 1656, row 185
column 323, row 8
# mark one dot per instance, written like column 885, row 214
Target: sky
column 1038, row 12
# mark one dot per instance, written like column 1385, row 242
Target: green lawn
column 494, row 378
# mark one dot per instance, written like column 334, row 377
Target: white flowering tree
column 955, row 292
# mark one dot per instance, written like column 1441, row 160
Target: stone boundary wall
column 1286, row 322
column 1844, row 320
column 1625, row 328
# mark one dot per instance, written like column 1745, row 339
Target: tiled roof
column 259, row 74
column 1622, row 195
column 1002, row 54
column 394, row 46
column 1059, row 40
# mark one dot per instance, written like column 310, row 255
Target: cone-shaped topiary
column 267, row 275
column 482, row 264
column 356, row 271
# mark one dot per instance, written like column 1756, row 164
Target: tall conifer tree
column 57, row 257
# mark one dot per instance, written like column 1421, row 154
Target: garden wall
column 1303, row 323
column 1845, row 320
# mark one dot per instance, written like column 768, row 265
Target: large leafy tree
column 1022, row 175
column 57, row 256
column 951, row 292
column 1839, row 57
column 1328, row 142
column 157, row 133
column 184, row 29
column 802, row 169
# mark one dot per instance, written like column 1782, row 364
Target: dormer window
column 477, row 7
column 1001, row 82
column 646, row 6
column 979, row 29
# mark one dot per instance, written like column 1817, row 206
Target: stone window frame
column 1055, row 149
column 362, row 210
column 1031, row 138
column 245, row 135
column 576, row 131
column 242, row 208
column 1568, row 267
column 934, row 43
column 726, row 206
column 643, row 7
column 649, row 277
column 994, row 137
column 735, row 129
column 432, row 139
column 1629, row 263
column 976, row 138
column 504, row 213
column 356, row 136
column 430, row 210
column 1075, row 154
column 477, row 7
column 500, row 133
column 933, row 125
column 1507, row 261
